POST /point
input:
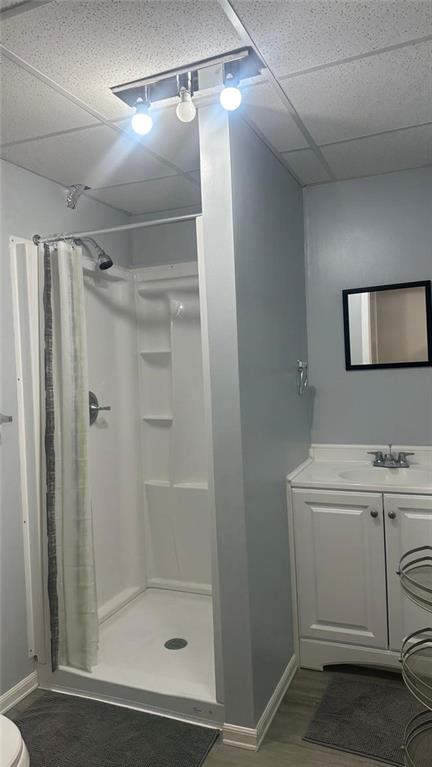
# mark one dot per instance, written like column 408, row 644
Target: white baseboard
column 240, row 737
column 251, row 738
column 13, row 696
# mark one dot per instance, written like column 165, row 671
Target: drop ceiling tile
column 175, row 141
column 151, row 196
column 387, row 91
column 89, row 46
column 306, row 166
column 29, row 108
column 4, row 4
column 94, row 156
column 297, row 34
column 265, row 109
column 409, row 148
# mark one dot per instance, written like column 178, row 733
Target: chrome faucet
column 390, row 460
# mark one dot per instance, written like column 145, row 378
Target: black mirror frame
column 426, row 284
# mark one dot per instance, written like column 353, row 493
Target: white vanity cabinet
column 347, row 546
column 341, row 576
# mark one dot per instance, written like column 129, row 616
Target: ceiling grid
column 348, row 91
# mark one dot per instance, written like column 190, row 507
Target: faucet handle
column 402, row 457
column 379, row 457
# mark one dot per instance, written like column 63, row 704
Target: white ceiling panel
column 410, row 148
column 306, row 166
column 175, row 141
column 85, row 47
column 4, row 4
column 263, row 106
column 297, row 34
column 387, row 91
column 94, row 156
column 151, row 196
column 29, row 108
column 89, row 46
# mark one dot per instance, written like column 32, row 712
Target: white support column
column 217, row 282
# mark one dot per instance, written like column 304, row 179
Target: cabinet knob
column 374, row 514
column 392, row 515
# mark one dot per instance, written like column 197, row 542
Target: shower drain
column 175, row 644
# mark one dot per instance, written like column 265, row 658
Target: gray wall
column 271, row 321
column 165, row 244
column 371, row 231
column 255, row 283
column 30, row 205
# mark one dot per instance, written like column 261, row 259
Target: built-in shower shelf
column 157, row 483
column 158, row 418
column 155, row 353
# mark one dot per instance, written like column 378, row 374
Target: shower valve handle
column 100, row 407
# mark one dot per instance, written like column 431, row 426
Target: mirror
column 388, row 326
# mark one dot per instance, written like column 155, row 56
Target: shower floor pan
column 135, row 666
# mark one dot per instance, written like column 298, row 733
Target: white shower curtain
column 71, row 565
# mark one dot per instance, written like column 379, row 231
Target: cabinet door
column 408, row 523
column 340, row 565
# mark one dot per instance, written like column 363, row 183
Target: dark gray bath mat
column 364, row 715
column 64, row 731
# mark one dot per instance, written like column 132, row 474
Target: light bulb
column 186, row 109
column 142, row 122
column 230, row 98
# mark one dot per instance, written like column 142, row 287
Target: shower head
column 104, row 261
column 74, row 192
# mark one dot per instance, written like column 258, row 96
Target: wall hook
column 302, row 377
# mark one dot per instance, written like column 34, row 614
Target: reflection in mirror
column 388, row 326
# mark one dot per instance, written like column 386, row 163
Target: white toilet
column 13, row 751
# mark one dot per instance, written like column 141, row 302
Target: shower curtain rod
column 37, row 239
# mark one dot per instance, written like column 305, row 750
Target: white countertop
column 342, row 474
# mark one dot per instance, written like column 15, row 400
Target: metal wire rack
column 415, row 571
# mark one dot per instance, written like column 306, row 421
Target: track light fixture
column 186, row 109
column 142, row 122
column 182, row 83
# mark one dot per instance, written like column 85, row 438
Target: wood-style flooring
column 283, row 745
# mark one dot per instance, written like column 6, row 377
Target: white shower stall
column 148, row 467
column 149, row 479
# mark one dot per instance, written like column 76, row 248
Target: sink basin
column 377, row 476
